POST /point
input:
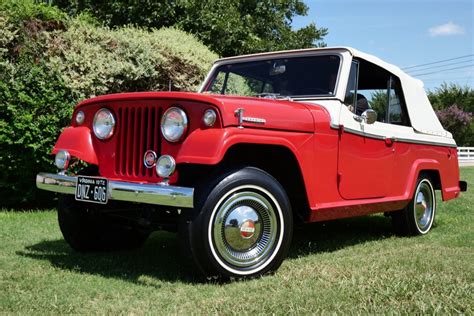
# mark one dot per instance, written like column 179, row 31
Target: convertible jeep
column 269, row 140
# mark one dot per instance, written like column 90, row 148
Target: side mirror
column 369, row 116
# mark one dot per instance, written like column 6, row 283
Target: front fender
column 209, row 146
column 78, row 141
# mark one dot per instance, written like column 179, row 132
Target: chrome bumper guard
column 158, row 194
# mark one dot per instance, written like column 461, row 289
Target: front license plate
column 89, row 189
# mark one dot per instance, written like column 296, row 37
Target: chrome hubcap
column 424, row 207
column 245, row 229
column 242, row 228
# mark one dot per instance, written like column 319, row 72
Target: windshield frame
column 268, row 56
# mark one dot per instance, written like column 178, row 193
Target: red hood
column 278, row 114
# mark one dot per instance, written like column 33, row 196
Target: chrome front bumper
column 158, row 194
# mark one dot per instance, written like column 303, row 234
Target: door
column 365, row 163
column 366, row 153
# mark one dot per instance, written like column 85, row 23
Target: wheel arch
column 433, row 175
column 270, row 159
column 429, row 168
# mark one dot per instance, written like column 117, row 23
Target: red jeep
column 308, row 135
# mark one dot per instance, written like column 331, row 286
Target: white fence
column 466, row 155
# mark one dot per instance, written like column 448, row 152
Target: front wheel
column 418, row 217
column 244, row 227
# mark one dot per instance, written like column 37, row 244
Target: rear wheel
column 418, row 217
column 85, row 229
column 244, row 226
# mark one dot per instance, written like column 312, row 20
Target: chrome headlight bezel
column 109, row 127
column 167, row 124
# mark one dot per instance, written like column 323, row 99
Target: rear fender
column 448, row 192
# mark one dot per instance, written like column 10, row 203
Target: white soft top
column 422, row 115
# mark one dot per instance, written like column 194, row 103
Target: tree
column 454, row 106
column 459, row 123
column 228, row 27
column 447, row 95
column 378, row 103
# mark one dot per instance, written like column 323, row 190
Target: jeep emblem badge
column 149, row 159
column 247, row 229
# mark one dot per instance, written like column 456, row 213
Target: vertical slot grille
column 138, row 131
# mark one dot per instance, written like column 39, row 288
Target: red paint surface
column 344, row 174
column 280, row 114
column 365, row 166
column 78, row 141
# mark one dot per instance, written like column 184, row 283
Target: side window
column 397, row 113
column 379, row 90
column 378, row 102
column 351, row 90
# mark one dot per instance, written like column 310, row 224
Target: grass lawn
column 345, row 266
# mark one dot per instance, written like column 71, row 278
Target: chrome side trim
column 395, row 139
column 157, row 194
column 333, row 126
column 423, row 142
column 360, row 133
column 255, row 120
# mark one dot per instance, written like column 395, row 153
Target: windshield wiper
column 268, row 95
column 274, row 96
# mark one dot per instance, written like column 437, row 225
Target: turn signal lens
column 80, row 116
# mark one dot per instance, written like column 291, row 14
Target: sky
column 404, row 33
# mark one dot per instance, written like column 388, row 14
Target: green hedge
column 96, row 60
column 49, row 62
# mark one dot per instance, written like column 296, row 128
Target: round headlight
column 165, row 166
column 62, row 159
column 174, row 124
column 104, row 123
column 209, row 117
column 80, row 116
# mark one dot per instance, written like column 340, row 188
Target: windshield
column 282, row 77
